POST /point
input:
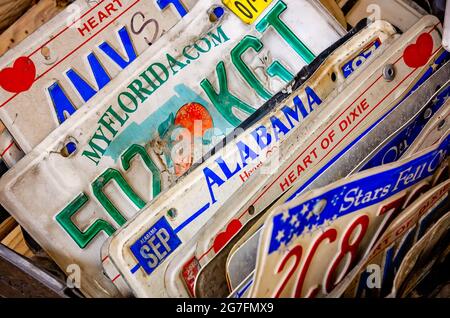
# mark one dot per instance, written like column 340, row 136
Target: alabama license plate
column 58, row 68
column 305, row 153
column 204, row 200
column 309, row 244
column 226, row 222
column 404, row 122
column 122, row 140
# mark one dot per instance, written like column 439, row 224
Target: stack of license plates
column 218, row 148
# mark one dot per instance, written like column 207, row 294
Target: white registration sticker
column 213, row 72
column 61, row 66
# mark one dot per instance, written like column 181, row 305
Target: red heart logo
column 224, row 237
column 418, row 54
column 19, row 77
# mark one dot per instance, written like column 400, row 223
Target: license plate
column 301, row 162
column 247, row 10
column 243, row 290
column 394, row 147
column 309, row 244
column 410, row 110
column 211, row 279
column 57, row 69
column 123, row 149
column 420, row 259
column 204, row 207
column 405, row 230
column 394, row 133
column 397, row 12
column 208, row 244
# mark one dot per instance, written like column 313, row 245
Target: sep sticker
column 154, row 246
column 247, row 10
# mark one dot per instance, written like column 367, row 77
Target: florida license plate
column 123, row 138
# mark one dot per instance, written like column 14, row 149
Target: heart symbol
column 418, row 54
column 19, row 77
column 224, row 237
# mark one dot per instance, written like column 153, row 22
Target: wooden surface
column 15, row 241
column 335, row 10
column 11, row 10
column 6, row 227
column 35, row 17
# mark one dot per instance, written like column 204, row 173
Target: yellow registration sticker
column 247, row 10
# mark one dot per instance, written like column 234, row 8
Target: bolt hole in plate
column 216, row 13
column 389, row 72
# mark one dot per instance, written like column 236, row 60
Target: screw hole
column 389, row 72
column 441, row 124
column 333, row 77
column 45, row 51
column 251, row 210
column 427, row 114
column 172, row 213
column 216, row 14
column 69, row 149
column 319, row 207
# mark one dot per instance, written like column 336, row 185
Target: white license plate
column 220, row 175
column 228, row 221
column 289, row 173
column 392, row 135
column 62, row 65
column 121, row 137
column 204, row 201
column 416, row 110
column 374, row 278
column 309, row 244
